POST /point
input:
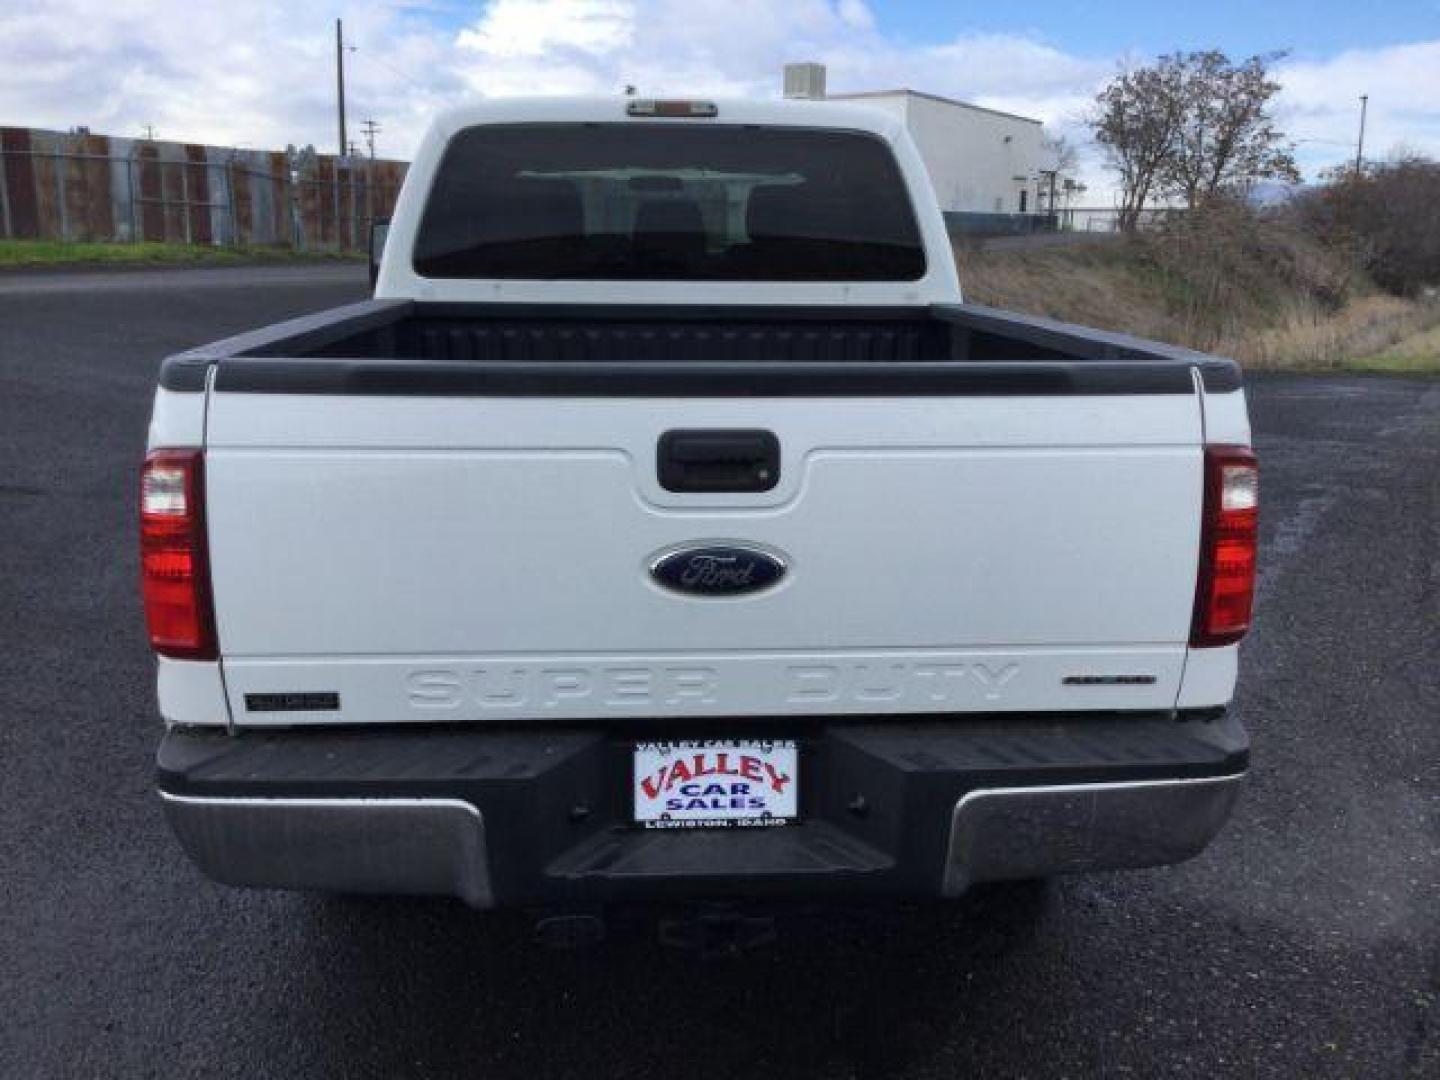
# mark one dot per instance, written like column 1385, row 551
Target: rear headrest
column 669, row 235
column 670, row 216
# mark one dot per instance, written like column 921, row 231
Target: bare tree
column 1057, row 175
column 1064, row 158
column 1137, row 123
column 1227, row 139
column 1190, row 126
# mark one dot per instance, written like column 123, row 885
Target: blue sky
column 258, row 73
column 1311, row 29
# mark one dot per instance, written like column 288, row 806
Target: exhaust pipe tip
column 719, row 932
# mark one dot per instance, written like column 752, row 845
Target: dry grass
column 1098, row 284
column 1415, row 355
column 1285, row 307
column 1308, row 338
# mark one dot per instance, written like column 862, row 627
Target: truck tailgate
column 410, row 557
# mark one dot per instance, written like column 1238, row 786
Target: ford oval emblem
column 720, row 569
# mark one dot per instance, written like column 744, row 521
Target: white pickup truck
column 667, row 528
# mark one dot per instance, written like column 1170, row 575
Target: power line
column 389, row 67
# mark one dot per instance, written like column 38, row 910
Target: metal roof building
column 981, row 161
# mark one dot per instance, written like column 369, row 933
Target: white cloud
column 1320, row 103
column 855, row 13
column 522, row 28
column 260, row 73
column 257, row 74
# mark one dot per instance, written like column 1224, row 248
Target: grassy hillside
column 1270, row 301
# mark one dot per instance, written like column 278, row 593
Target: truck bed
column 505, row 348
column 983, row 511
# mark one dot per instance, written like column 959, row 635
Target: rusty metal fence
column 77, row 187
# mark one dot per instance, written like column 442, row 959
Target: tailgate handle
column 718, row 459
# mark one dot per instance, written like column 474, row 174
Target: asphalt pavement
column 1304, row 942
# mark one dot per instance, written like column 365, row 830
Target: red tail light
column 1225, row 594
column 174, row 565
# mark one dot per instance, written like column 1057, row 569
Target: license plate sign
column 715, row 784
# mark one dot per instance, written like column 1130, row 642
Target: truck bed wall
column 505, row 335
column 884, row 341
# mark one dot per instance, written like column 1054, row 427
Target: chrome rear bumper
column 438, row 846
column 421, row 846
column 539, row 816
column 1006, row 834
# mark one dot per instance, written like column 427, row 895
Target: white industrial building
column 981, row 161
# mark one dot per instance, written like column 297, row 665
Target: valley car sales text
column 712, row 780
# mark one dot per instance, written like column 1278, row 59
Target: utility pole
column 371, row 129
column 1048, row 180
column 340, row 82
column 1360, row 145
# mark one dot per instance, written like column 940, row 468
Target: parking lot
column 1305, row 942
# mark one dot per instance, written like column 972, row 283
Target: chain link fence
column 966, row 225
column 83, row 187
column 1106, row 219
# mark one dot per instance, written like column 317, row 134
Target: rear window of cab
column 669, row 202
